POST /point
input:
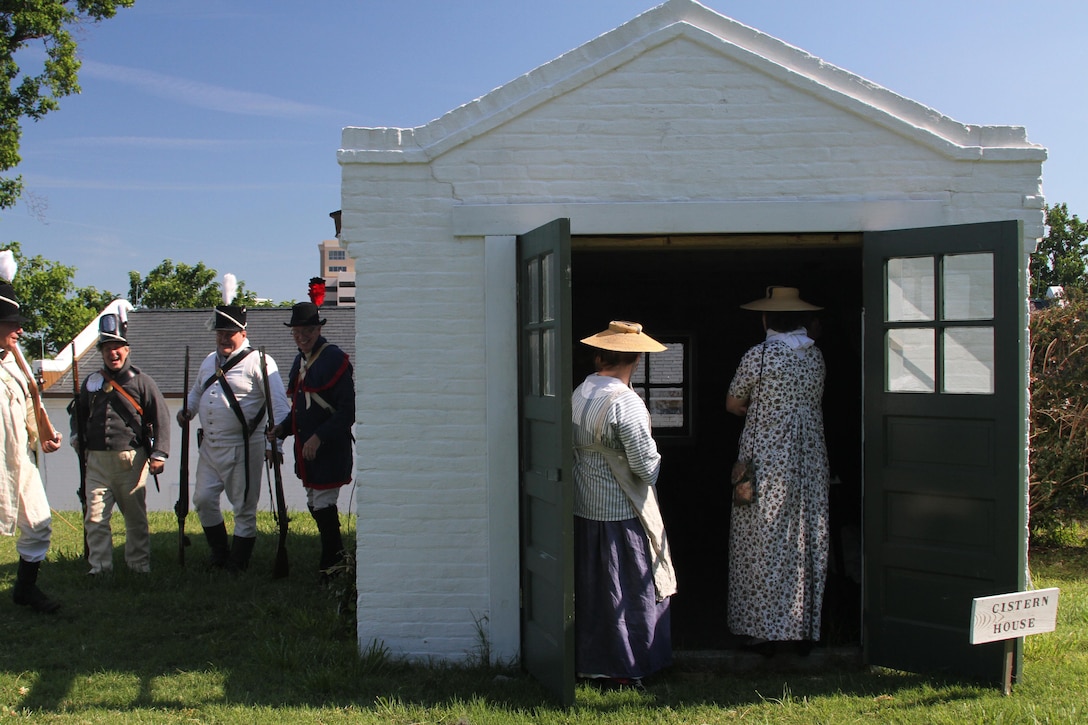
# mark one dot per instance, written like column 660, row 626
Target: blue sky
column 207, row 129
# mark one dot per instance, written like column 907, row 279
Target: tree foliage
column 51, row 302
column 183, row 286
column 1059, row 410
column 1060, row 257
column 179, row 286
column 29, row 94
column 57, row 310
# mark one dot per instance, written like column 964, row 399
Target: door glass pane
column 547, row 303
column 910, row 355
column 968, row 365
column 968, row 285
column 534, row 363
column 547, row 359
column 910, row 284
column 532, row 280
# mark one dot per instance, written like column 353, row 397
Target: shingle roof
column 158, row 339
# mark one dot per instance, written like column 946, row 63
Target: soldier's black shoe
column 26, row 592
column 241, row 549
column 35, row 598
column 219, row 545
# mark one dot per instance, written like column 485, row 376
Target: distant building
column 337, row 269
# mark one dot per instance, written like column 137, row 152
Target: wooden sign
column 1007, row 616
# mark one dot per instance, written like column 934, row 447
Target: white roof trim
column 693, row 21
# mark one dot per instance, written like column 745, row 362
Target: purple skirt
column 620, row 630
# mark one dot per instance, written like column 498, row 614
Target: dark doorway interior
column 694, row 295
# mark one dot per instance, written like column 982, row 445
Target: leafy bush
column 1059, row 415
column 1055, row 534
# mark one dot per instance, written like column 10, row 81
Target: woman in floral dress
column 778, row 545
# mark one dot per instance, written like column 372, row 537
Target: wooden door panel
column 944, row 471
column 546, row 486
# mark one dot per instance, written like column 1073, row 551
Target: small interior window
column 663, row 381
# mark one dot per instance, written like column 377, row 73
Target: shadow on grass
column 190, row 638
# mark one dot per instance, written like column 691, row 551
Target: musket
column 279, row 568
column 181, row 508
column 46, row 431
column 81, row 447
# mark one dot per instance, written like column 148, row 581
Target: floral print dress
column 778, row 546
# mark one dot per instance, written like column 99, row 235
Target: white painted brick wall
column 682, row 122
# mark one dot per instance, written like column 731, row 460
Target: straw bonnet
column 780, row 299
column 624, row 337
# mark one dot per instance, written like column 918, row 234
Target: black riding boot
column 241, row 549
column 217, row 540
column 26, row 591
column 332, row 546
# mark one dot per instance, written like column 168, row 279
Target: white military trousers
column 222, row 469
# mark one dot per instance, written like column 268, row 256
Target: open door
column 546, row 457
column 944, row 439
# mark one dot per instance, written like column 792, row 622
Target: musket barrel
column 279, row 568
column 46, row 431
column 181, row 508
column 81, row 446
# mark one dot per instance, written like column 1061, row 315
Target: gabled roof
column 158, row 339
column 695, row 22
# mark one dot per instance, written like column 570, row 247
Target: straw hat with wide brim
column 780, row 299
column 624, row 337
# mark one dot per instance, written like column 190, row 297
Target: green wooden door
column 944, row 496
column 546, row 486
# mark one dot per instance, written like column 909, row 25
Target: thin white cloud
column 203, row 95
column 56, row 182
column 156, row 143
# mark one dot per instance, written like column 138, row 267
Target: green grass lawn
column 197, row 646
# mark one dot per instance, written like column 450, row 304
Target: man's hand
column 52, row 445
column 156, row 466
column 182, row 418
column 271, row 434
column 271, row 454
column 309, row 448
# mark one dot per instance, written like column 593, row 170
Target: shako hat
column 113, row 328
column 9, row 303
column 624, row 337
column 780, row 299
column 231, row 318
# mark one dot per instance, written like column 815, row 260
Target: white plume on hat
column 230, row 288
column 8, row 265
column 228, row 316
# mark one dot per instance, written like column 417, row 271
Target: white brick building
column 697, row 160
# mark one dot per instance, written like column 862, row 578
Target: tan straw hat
column 780, row 299
column 624, row 337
